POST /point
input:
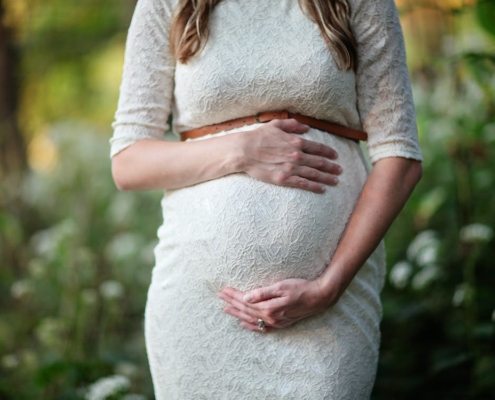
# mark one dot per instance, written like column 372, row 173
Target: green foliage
column 73, row 314
column 72, row 55
column 485, row 11
column 439, row 304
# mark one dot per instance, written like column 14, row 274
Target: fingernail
column 248, row 298
column 335, row 180
column 323, row 188
column 339, row 170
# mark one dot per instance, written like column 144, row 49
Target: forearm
column 270, row 153
column 385, row 192
column 157, row 164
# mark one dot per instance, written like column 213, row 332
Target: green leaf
column 485, row 12
column 431, row 202
column 450, row 362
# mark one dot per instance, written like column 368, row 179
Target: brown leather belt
column 269, row 116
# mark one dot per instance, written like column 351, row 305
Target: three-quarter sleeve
column 146, row 91
column 384, row 96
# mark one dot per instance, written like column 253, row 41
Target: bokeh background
column 76, row 254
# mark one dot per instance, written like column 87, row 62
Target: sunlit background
column 76, row 254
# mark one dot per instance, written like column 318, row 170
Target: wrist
column 331, row 285
column 236, row 157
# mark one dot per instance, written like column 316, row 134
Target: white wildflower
column 9, row 361
column 488, row 133
column 108, row 386
column 36, row 268
column 111, row 289
column 127, row 369
column 421, row 240
column 424, row 248
column 89, row 296
column 459, row 295
column 400, row 274
column 21, row 289
column 428, row 255
column 476, row 233
column 51, row 332
column 121, row 210
column 424, row 277
column 123, row 246
column 45, row 242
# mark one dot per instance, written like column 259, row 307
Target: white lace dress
column 240, row 232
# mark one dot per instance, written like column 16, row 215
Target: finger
column 316, row 148
column 270, row 295
column 289, row 125
column 305, row 184
column 267, row 300
column 255, row 328
column 261, row 294
column 266, row 303
column 314, row 175
column 241, row 315
column 321, row 164
column 241, row 306
column 267, row 310
column 233, row 293
column 256, row 312
column 236, row 298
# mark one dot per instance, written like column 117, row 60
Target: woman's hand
column 279, row 305
column 269, row 153
column 387, row 188
column 273, row 154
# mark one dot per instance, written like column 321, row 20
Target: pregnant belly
column 245, row 233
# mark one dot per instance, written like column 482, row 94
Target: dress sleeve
column 383, row 86
column 147, row 83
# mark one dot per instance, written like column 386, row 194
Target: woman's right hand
column 273, row 154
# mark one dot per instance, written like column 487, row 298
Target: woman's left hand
column 279, row 305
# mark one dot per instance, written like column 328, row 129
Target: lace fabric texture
column 237, row 231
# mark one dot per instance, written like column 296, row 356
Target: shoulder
column 375, row 20
column 367, row 10
column 165, row 7
column 169, row 5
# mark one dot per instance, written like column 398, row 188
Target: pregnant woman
column 270, row 262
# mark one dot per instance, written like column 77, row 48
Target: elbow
column 119, row 174
column 418, row 171
column 415, row 172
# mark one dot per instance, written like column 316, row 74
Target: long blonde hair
column 190, row 28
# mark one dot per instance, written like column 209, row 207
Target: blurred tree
column 12, row 149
